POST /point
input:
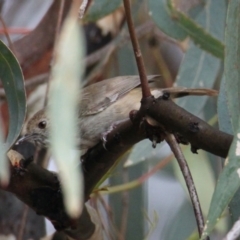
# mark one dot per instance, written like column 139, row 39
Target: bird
column 102, row 104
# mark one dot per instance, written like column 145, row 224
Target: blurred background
column 158, row 206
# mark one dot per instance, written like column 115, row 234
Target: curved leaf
column 12, row 80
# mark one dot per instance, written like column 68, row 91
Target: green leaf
column 159, row 12
column 101, row 8
column 228, row 182
column 199, row 68
column 232, row 63
column 224, row 117
column 198, row 34
column 63, row 108
column 227, row 185
column 12, row 80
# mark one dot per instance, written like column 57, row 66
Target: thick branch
column 177, row 120
column 40, row 190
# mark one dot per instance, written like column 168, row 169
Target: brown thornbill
column 102, row 104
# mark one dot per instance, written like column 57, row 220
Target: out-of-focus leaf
column 224, row 117
column 228, row 182
column 144, row 151
column 231, row 63
column 199, row 68
column 62, row 109
column 199, row 35
column 228, row 102
column 159, row 12
column 101, row 8
column 12, row 80
column 227, row 185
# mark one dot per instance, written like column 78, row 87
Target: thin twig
column 112, row 228
column 57, row 32
column 137, row 52
column 104, row 224
column 7, row 35
column 125, row 208
column 171, row 140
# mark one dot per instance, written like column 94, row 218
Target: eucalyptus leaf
column 200, row 68
column 198, row 34
column 228, row 182
column 13, row 83
column 62, row 109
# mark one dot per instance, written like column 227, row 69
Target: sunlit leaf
column 63, row 105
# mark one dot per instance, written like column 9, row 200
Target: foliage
column 198, row 29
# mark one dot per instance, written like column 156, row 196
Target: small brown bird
column 102, row 104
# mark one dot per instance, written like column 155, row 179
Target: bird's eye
column 42, row 124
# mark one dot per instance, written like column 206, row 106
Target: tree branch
column 171, row 140
column 137, row 52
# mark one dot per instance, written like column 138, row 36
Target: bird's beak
column 24, row 138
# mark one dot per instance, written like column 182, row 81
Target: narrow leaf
column 232, row 62
column 228, row 182
column 12, row 80
column 198, row 34
column 13, row 84
column 62, row 108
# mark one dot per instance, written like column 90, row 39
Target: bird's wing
column 97, row 97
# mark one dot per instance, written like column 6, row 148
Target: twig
column 125, row 208
column 109, row 215
column 137, row 52
column 171, row 140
